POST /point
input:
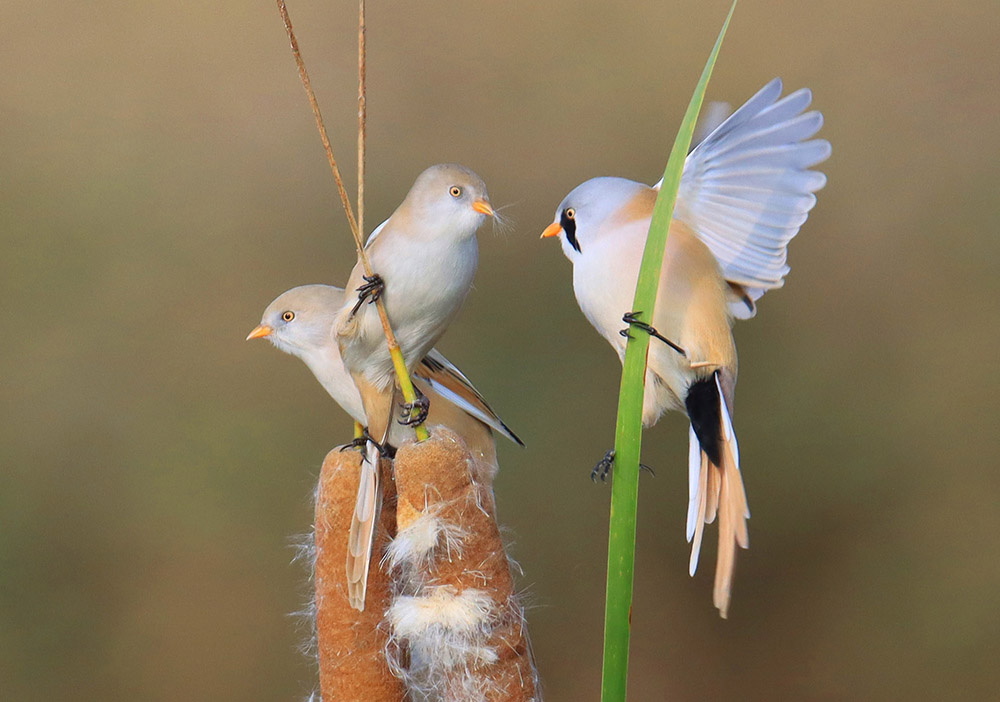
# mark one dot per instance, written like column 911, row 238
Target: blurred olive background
column 161, row 181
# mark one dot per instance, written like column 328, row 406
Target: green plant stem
column 628, row 432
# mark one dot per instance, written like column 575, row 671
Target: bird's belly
column 690, row 311
column 605, row 288
column 425, row 286
column 329, row 369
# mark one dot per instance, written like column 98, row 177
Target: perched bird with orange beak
column 300, row 322
column 744, row 193
column 424, row 258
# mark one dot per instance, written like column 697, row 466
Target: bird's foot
column 630, row 319
column 359, row 442
column 603, row 467
column 371, row 291
column 606, row 464
column 408, row 417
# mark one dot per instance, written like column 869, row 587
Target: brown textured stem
column 351, row 644
column 485, row 654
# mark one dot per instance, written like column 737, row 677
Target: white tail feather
column 694, row 471
column 717, row 491
column 361, row 540
column 700, row 520
column 731, row 443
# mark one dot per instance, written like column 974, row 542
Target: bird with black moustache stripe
column 745, row 191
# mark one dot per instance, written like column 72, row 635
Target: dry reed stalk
column 402, row 375
column 350, row 644
column 457, row 630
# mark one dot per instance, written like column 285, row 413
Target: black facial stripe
column 569, row 226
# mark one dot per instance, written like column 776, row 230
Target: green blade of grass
column 628, row 433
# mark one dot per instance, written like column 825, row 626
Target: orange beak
column 554, row 229
column 259, row 332
column 483, row 207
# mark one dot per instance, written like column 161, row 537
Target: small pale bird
column 300, row 322
column 745, row 191
column 423, row 259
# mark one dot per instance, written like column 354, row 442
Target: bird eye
column 288, row 316
column 455, row 191
column 570, row 213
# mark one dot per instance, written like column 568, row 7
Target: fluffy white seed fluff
column 416, row 545
column 446, row 622
column 445, row 633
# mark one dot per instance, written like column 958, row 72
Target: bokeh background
column 161, row 181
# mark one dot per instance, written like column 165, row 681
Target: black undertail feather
column 703, row 409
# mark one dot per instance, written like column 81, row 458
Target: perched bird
column 423, row 260
column 300, row 322
column 744, row 193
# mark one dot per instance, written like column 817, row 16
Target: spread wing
column 747, row 188
column 713, row 114
column 449, row 382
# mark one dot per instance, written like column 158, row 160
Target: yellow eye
column 288, row 316
column 570, row 213
column 455, row 191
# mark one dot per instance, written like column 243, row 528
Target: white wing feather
column 713, row 114
column 746, row 189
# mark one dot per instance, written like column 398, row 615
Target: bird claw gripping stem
column 371, row 291
column 630, row 319
column 359, row 442
column 604, row 466
column 421, row 404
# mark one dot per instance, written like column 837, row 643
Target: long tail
column 361, row 540
column 715, row 484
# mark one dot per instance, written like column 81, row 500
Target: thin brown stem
column 397, row 356
column 304, row 77
column 362, row 114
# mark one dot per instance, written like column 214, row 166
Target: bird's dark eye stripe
column 569, row 226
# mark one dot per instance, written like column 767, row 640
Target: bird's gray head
column 584, row 212
column 450, row 198
column 301, row 320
